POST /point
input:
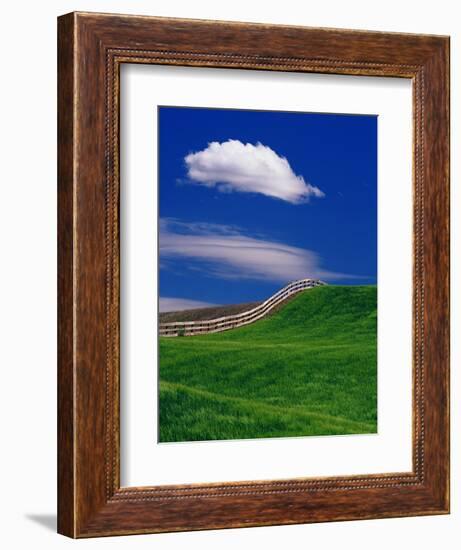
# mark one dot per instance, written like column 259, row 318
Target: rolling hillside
column 309, row 369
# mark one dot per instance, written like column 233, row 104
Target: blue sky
column 250, row 200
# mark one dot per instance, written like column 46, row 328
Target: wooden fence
column 193, row 328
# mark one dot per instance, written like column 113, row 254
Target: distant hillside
column 309, row 369
column 205, row 313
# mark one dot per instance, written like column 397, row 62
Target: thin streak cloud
column 227, row 252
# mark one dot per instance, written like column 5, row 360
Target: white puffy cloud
column 247, row 168
column 180, row 304
column 226, row 252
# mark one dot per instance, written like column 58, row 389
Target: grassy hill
column 309, row 369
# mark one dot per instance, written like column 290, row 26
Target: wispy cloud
column 226, row 252
column 247, row 168
column 180, row 304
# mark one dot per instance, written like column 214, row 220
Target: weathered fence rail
column 193, row 328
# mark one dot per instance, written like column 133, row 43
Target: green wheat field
column 308, row 369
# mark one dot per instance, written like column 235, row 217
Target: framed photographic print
column 253, row 275
column 236, row 224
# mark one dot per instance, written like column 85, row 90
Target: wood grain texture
column 66, row 471
column 91, row 49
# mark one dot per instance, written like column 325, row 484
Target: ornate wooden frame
column 91, row 48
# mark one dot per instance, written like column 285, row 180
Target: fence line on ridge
column 193, row 328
